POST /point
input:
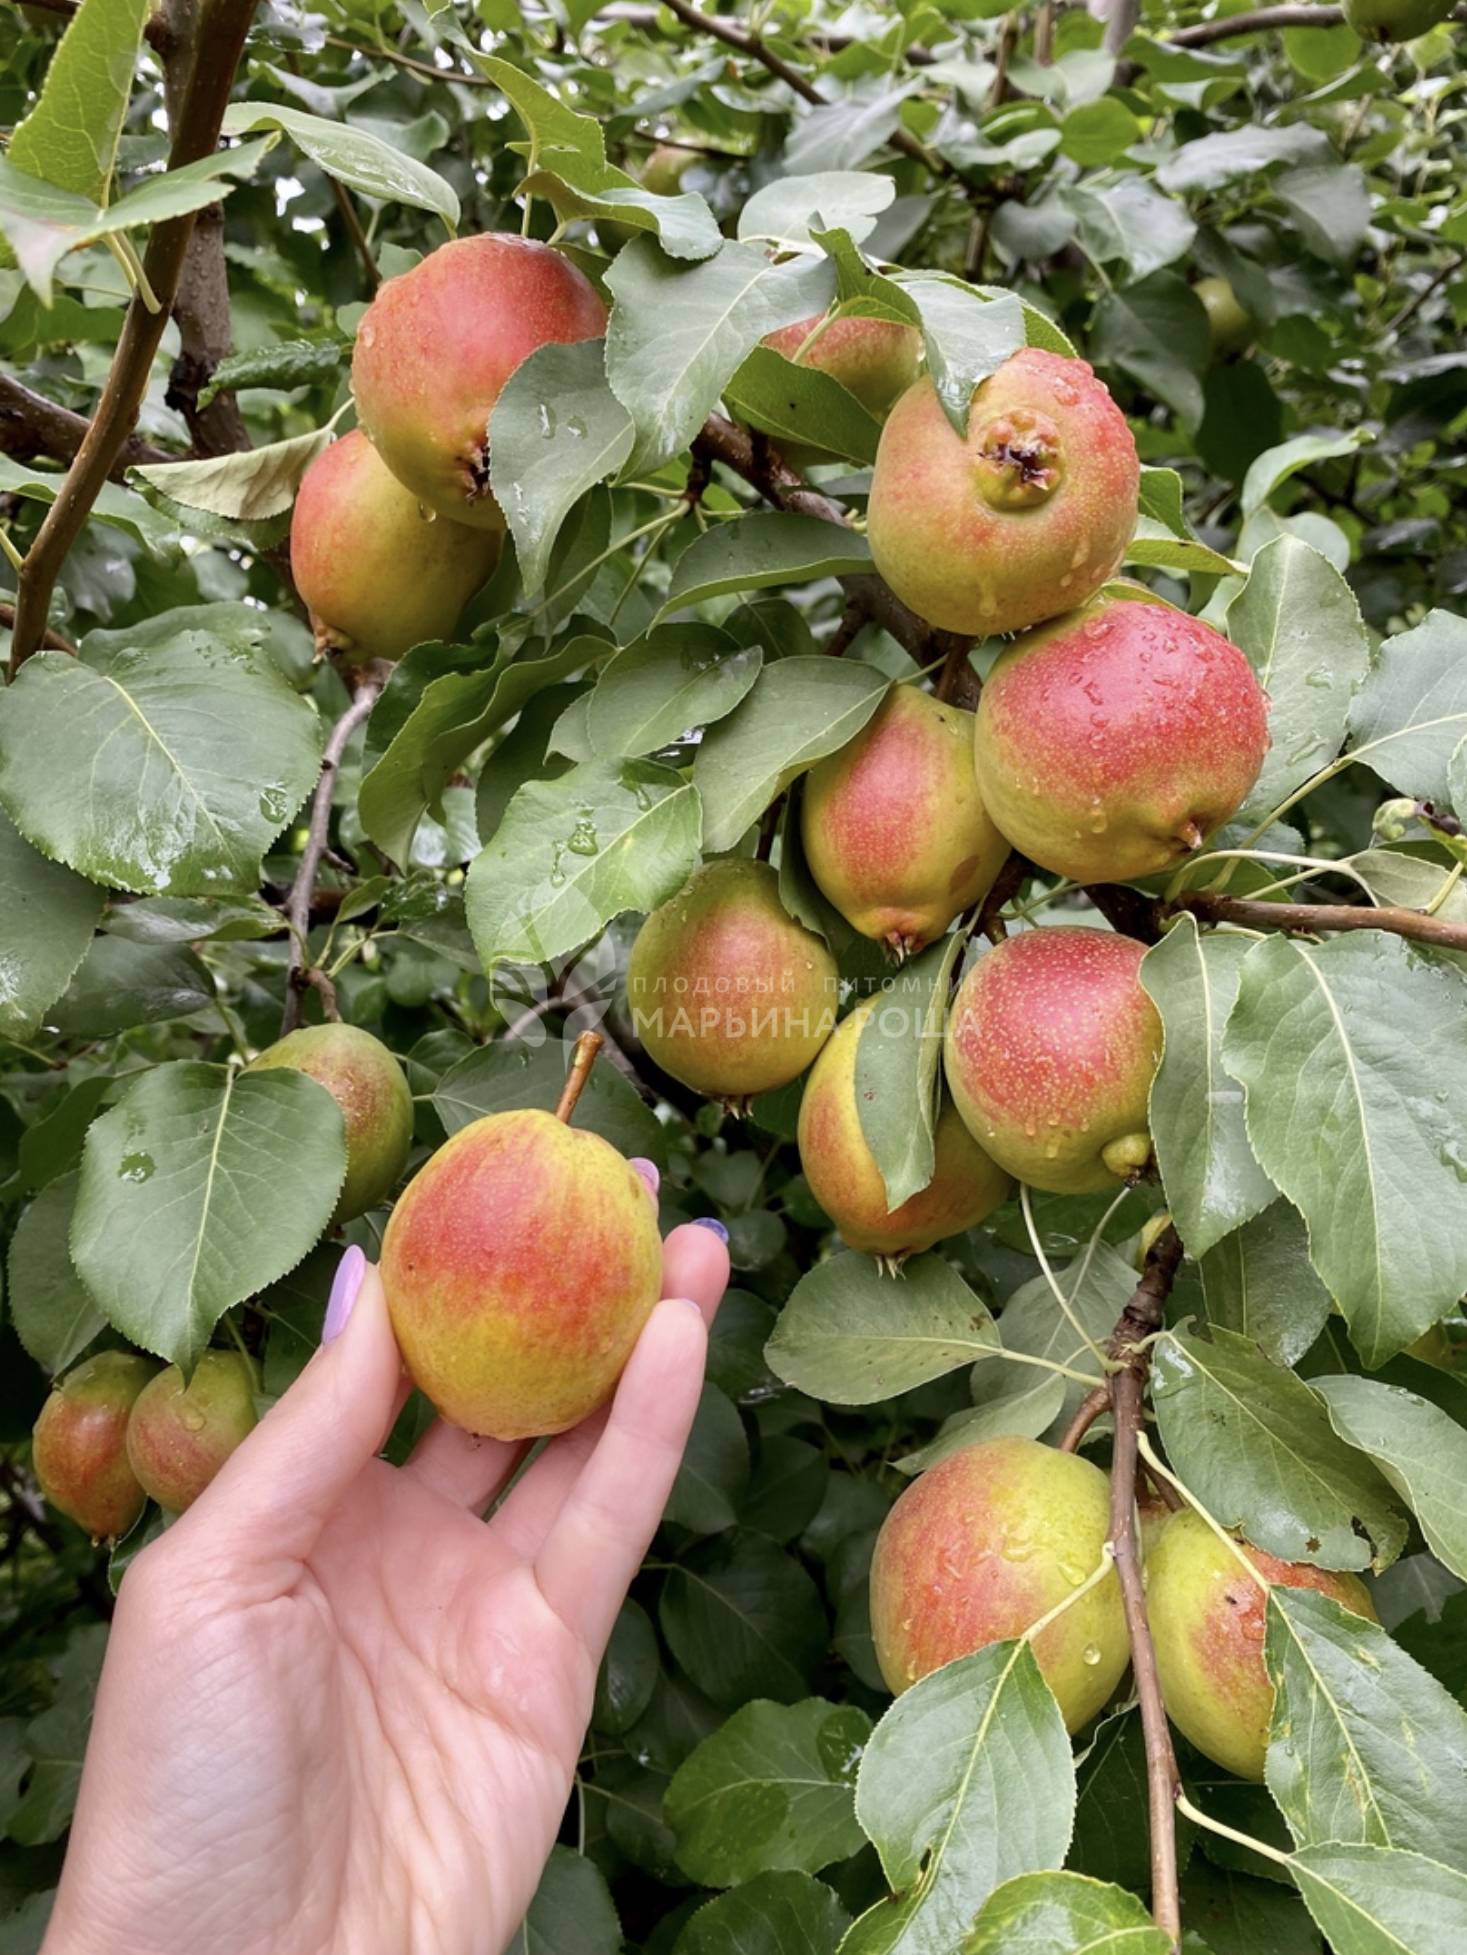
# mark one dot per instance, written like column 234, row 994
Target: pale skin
column 340, row 1711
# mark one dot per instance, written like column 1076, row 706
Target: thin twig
column 957, row 682
column 1311, row 919
column 31, row 425
column 424, row 68
column 1263, row 21
column 51, row 642
column 848, row 630
column 1143, row 1315
column 1089, row 1410
column 1006, row 885
column 360, row 241
column 298, row 976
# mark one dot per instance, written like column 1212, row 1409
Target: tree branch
column 1143, row 1315
column 53, row 640
column 1312, row 918
column 32, row 425
column 299, row 977
column 1087, row 1412
column 215, row 41
column 1261, row 22
column 1127, row 910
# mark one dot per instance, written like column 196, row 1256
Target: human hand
column 339, row 1711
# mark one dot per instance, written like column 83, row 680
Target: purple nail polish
column 648, row 1171
column 712, row 1222
column 349, row 1273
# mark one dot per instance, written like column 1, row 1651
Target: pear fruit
column 895, row 831
column 1207, row 1618
column 1051, row 1049
column 1025, row 516
column 79, row 1444
column 436, row 346
column 377, row 575
column 520, row 1265
column 1112, row 742
column 965, row 1188
column 727, row 992
column 877, row 360
column 979, row 1548
column 1228, row 320
column 180, row 1434
column 376, row 1104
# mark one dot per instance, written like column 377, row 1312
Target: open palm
column 340, row 1712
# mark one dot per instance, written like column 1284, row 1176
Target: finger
column 276, row 1491
column 596, row 1543
column 461, row 1466
column 695, row 1267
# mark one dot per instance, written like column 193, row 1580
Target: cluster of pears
column 994, row 1537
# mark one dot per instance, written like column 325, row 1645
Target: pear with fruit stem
column 1051, row 1048
column 1207, row 1617
column 436, row 346
column 728, row 993
column 520, row 1266
column 983, row 1545
column 180, row 1434
column 894, row 828
column 376, row 1103
column 79, row 1445
column 1024, row 516
column 965, row 1188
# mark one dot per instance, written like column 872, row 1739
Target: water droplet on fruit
column 368, row 337
column 192, row 1420
column 1091, row 1654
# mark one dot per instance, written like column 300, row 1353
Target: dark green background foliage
column 1305, row 492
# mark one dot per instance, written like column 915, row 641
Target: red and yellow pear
column 1024, row 517
column 1207, row 1617
column 728, row 993
column 436, row 346
column 79, row 1444
column 966, row 1186
column 877, row 360
column 895, row 830
column 983, row 1545
column 1052, row 1045
column 376, row 1103
column 520, row 1266
column 376, row 573
column 180, row 1434
column 1112, row 742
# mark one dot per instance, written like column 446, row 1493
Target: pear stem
column 582, row 1060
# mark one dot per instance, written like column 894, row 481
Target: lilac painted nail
column 648, row 1171
column 349, row 1273
column 712, row 1222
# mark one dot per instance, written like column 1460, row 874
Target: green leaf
column 851, row 1336
column 799, row 710
column 579, row 186
column 981, row 1737
column 248, row 487
column 791, row 208
column 1353, row 1055
column 840, row 135
column 572, row 853
column 744, row 1620
column 1411, row 714
column 1298, row 623
column 47, row 916
column 196, row 754
column 1373, row 1900
column 1421, row 1451
column 55, row 1741
column 628, row 1673
column 714, row 1470
column 555, row 432
column 1063, row 1914
column 1366, row 1746
column 1155, row 547
column 283, row 363
column 1098, row 133
column 353, row 156
column 1213, row 161
column 674, row 678
column 70, row 137
column 175, row 1179
column 514, row 1073
column 1260, row 1282
column 897, row 1058
column 1254, row 1444
column 119, row 984
column 1271, row 469
column 1213, row 1181
column 1157, row 332
column 550, row 123
column 777, row 1914
column 777, row 547
column 968, row 337
column 678, row 332
column 773, row 1790
column 801, row 406
column 572, row 1912
column 54, row 1317
column 1330, row 206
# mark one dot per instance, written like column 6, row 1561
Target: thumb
column 269, row 1502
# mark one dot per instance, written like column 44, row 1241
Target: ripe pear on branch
column 965, row 1188
column 180, row 1434
column 79, row 1444
column 1051, row 1048
column 728, row 993
column 1023, row 517
column 894, row 827
column 376, row 1103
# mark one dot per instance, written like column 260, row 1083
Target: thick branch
column 1309, row 918
column 32, row 425
column 216, row 41
column 299, row 977
column 206, row 337
column 1143, row 1315
column 1126, row 910
column 1261, row 22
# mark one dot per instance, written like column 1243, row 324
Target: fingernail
column 648, row 1171
column 349, row 1273
column 712, row 1222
